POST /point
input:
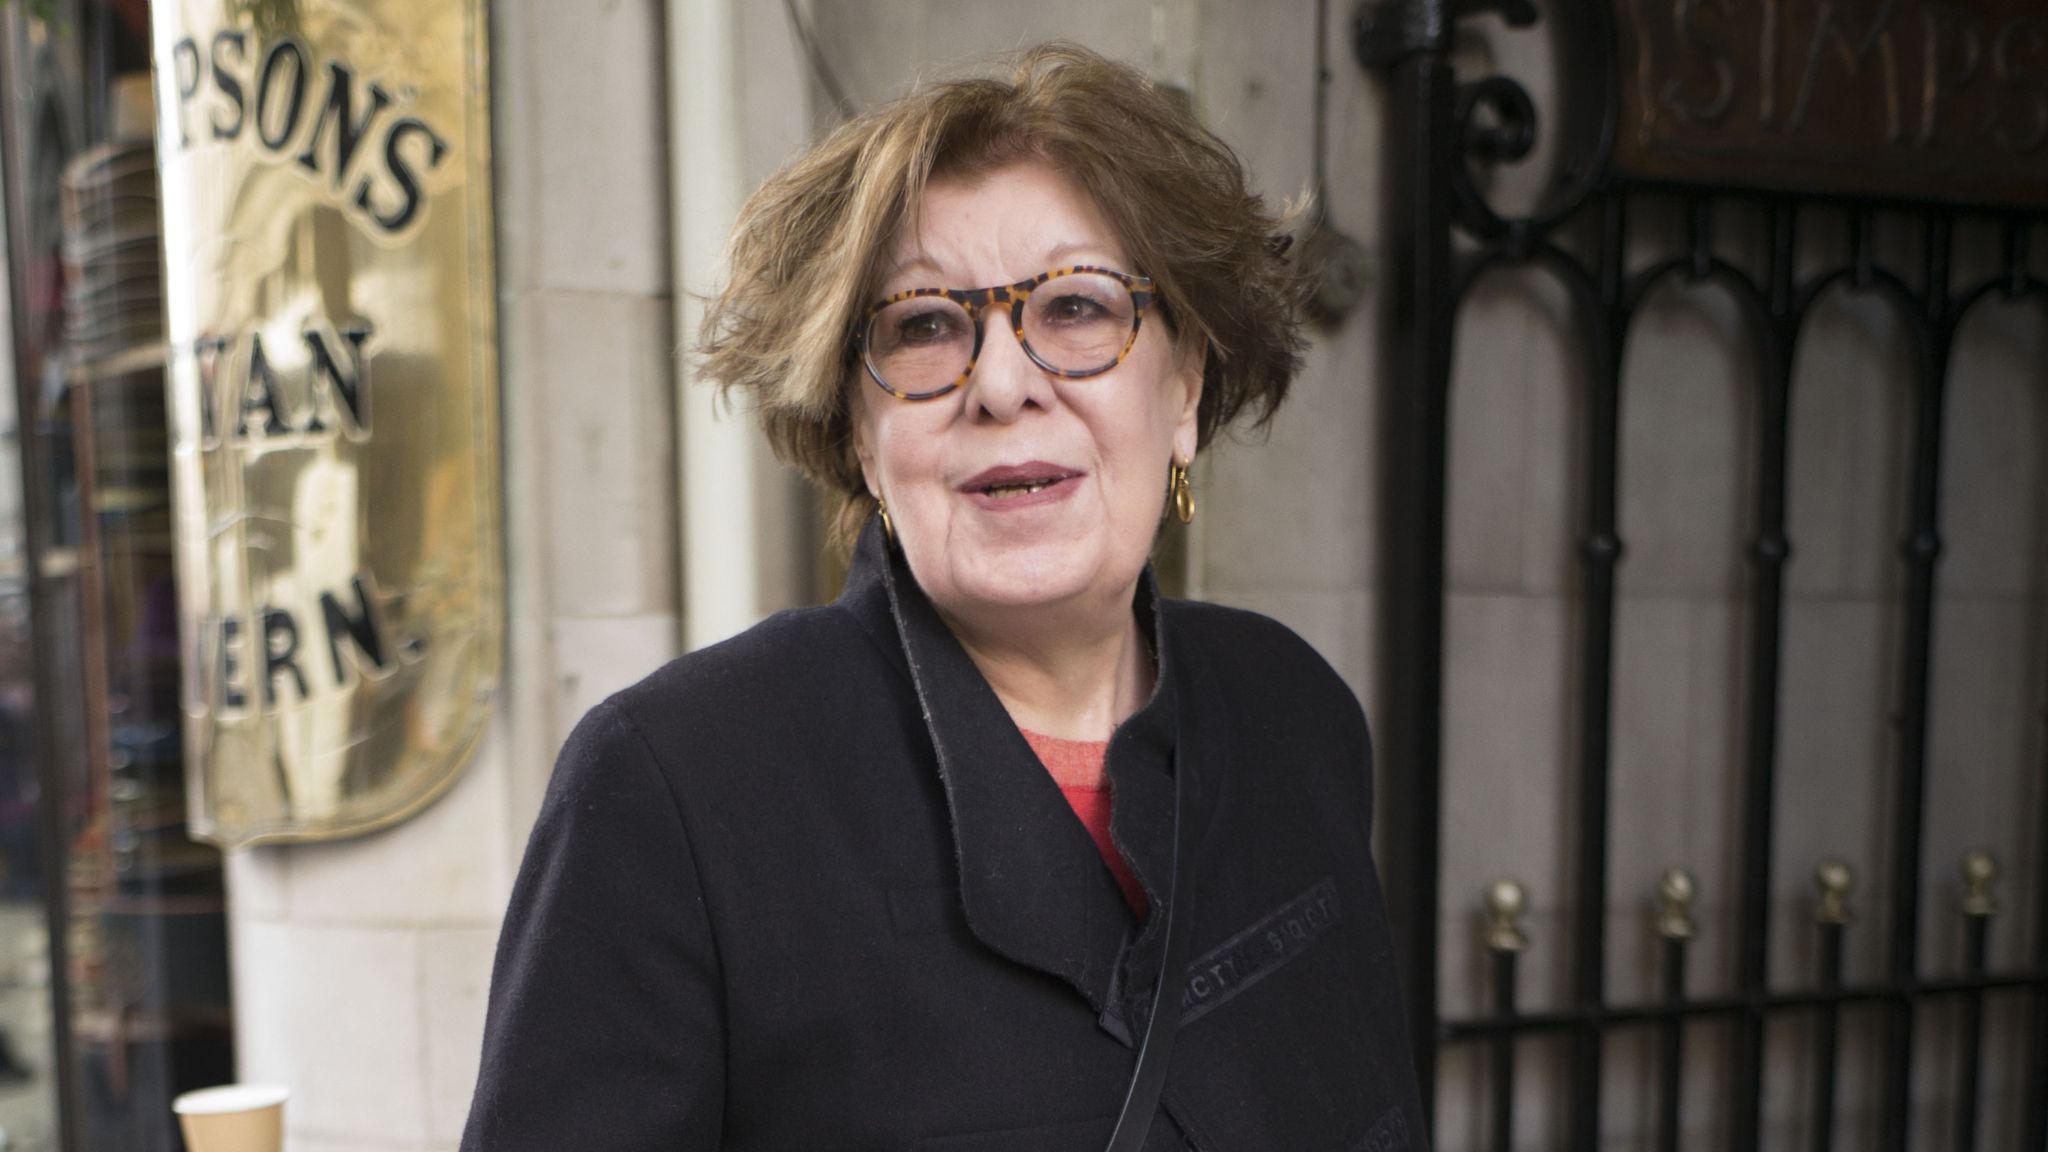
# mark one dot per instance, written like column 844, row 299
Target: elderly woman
column 1000, row 851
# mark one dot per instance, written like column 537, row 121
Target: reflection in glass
column 138, row 959
column 28, row 1096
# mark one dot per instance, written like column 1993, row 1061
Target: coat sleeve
column 605, row 1028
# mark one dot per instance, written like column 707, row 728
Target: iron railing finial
column 1980, row 873
column 1835, row 880
column 1675, row 893
column 1505, row 902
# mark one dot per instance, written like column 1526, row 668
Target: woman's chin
column 1022, row 574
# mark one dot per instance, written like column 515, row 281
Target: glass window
column 136, row 939
column 28, row 1097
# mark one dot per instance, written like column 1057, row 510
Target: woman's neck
column 1060, row 680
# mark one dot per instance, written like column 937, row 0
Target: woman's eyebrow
column 915, row 262
column 1057, row 256
column 1066, row 250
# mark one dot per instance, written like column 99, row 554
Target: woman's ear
column 1187, row 380
column 863, row 440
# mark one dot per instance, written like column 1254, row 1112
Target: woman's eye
column 924, row 328
column 1072, row 309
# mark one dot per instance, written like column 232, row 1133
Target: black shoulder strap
column 1155, row 1052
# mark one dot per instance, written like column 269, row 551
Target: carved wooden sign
column 1942, row 100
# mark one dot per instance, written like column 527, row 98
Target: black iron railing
column 1445, row 237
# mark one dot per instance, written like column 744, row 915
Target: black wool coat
column 810, row 889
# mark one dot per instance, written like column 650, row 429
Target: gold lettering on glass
column 334, row 404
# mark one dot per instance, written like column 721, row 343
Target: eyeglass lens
column 1076, row 324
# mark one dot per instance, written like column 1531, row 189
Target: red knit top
column 1077, row 767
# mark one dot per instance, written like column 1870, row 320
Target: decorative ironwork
column 1447, row 133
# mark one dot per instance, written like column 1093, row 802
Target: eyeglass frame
column 975, row 301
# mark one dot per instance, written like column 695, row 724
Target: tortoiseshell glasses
column 1073, row 322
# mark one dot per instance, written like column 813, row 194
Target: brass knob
column 1675, row 892
column 1980, row 872
column 1505, row 901
column 1835, row 880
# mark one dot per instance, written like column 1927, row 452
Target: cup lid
column 230, row 1098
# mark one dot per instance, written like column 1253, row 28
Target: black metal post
column 1769, row 551
column 1675, row 927
column 1979, row 871
column 1410, row 41
column 1671, row 1050
column 1835, row 881
column 1600, row 557
column 1922, row 553
column 1504, row 1054
column 1505, row 940
column 2034, row 1089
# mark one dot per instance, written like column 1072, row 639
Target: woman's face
column 1021, row 489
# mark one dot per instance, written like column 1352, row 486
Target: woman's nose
column 1006, row 381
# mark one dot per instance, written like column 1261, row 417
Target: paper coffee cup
column 233, row 1118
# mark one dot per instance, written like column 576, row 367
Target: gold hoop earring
column 1180, row 491
column 888, row 528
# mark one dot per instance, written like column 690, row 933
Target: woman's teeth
column 1005, row 490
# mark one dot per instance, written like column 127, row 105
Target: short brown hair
column 809, row 243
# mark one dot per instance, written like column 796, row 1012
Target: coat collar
column 1032, row 884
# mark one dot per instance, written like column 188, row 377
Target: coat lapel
column 1032, row 884
column 1191, row 737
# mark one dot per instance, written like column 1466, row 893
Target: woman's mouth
column 1019, row 485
